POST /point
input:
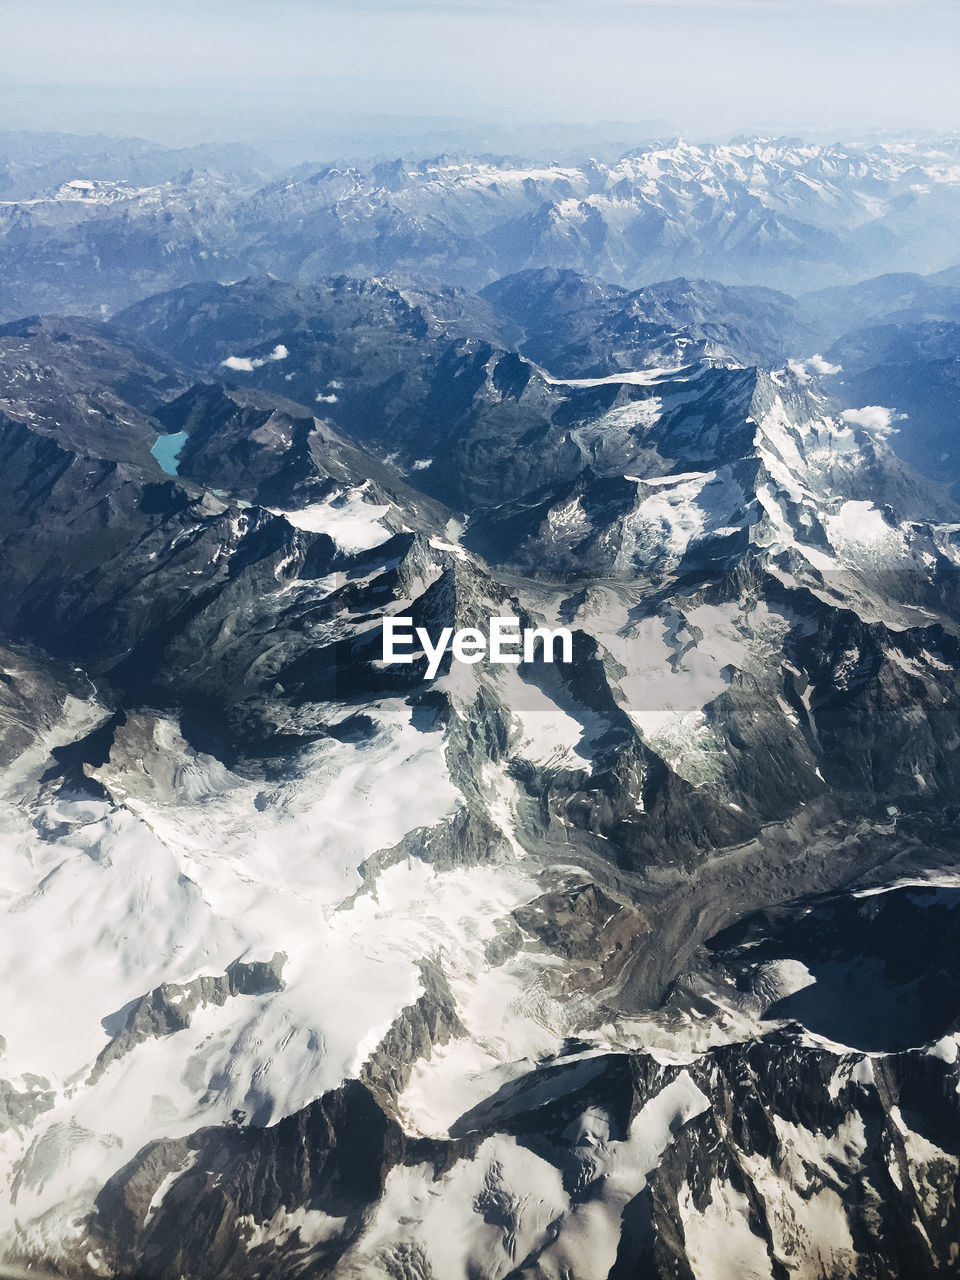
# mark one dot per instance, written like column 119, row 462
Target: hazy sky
column 188, row 70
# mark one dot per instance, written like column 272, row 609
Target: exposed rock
column 170, row 1007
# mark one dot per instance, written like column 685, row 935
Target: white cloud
column 247, row 364
column 322, row 399
column 814, row 364
column 819, row 365
column 873, row 417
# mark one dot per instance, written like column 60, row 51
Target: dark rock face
column 583, row 328
column 344, row 1143
column 882, row 965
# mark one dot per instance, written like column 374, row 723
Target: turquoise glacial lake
column 167, row 451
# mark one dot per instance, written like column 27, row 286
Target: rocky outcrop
column 788, row 1155
column 170, row 1007
column 20, row 1107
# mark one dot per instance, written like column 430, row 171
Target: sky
column 254, row 70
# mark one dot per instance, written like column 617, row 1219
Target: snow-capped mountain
column 772, row 212
column 759, row 212
column 621, row 966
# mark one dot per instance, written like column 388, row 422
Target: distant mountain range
column 762, row 212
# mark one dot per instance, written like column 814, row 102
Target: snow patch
column 353, row 522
